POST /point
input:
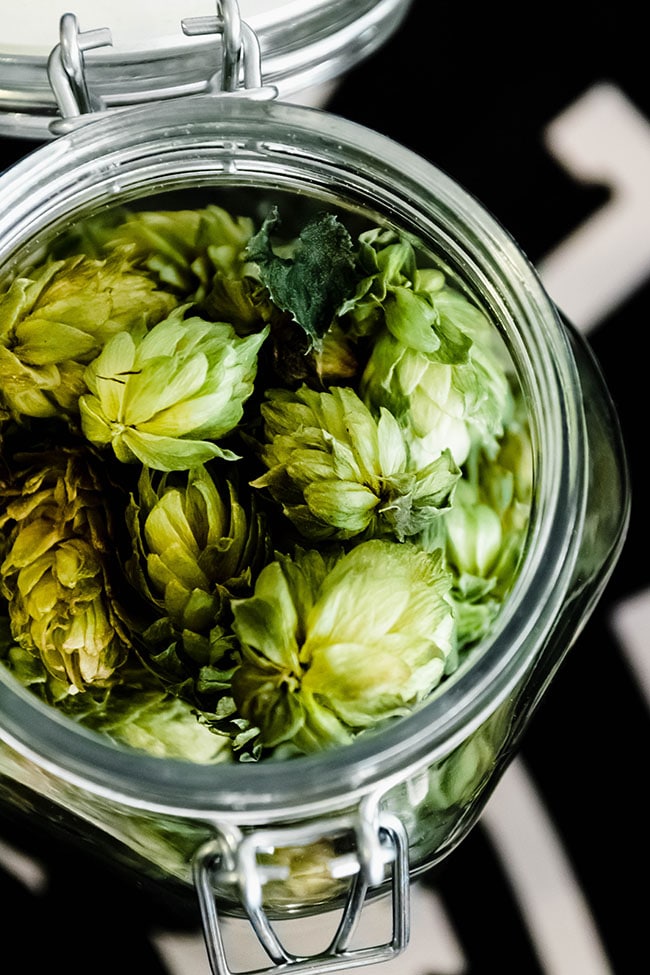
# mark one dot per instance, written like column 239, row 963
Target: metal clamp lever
column 240, row 73
column 66, row 69
column 216, row 862
column 241, row 66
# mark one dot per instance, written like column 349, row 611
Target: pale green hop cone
column 338, row 472
column 333, row 647
column 58, row 318
column 165, row 398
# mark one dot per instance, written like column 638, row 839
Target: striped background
column 548, row 123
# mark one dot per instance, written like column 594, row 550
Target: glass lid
column 145, row 52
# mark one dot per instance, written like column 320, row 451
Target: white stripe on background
column 554, row 910
column 630, row 621
column 602, row 138
column 26, row 869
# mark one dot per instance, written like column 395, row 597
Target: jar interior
column 252, row 196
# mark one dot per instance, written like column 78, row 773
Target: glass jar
column 332, row 830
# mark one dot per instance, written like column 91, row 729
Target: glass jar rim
column 304, row 45
column 121, row 154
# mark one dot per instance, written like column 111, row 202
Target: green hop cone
column 387, row 266
column 164, row 397
column 197, row 254
column 484, row 532
column 448, row 392
column 132, row 708
column 333, row 646
column 56, row 570
column 338, row 472
column 195, row 546
column 295, row 361
column 58, row 319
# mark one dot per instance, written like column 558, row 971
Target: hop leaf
column 164, row 398
column 314, row 279
column 338, row 472
column 56, row 571
column 334, row 646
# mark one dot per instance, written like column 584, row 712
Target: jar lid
column 305, row 46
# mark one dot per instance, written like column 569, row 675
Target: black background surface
column 472, row 89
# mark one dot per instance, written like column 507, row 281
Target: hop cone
column 339, row 472
column 332, row 647
column 133, row 708
column 483, row 534
column 164, row 397
column 58, row 319
column 447, row 392
column 54, row 573
column 195, row 546
column 197, row 254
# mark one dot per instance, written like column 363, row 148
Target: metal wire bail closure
column 241, row 63
column 67, row 71
column 240, row 72
column 231, row 859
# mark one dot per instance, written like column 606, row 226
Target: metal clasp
column 241, row 67
column 67, row 71
column 233, row 861
column 240, row 72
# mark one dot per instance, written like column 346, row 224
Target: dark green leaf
column 315, row 279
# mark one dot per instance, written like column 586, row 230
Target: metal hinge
column 240, row 72
column 233, row 861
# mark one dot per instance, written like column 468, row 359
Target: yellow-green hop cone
column 443, row 399
column 165, row 397
column 339, row 472
column 195, row 544
column 56, row 320
column 180, row 248
column 199, row 255
column 333, row 647
column 55, row 569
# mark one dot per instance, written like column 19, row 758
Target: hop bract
column 55, row 572
column 334, row 646
column 164, row 397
